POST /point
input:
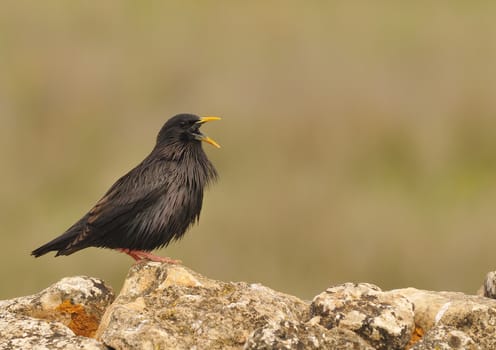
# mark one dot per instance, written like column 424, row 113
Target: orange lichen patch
column 417, row 334
column 81, row 322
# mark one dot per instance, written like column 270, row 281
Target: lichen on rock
column 62, row 316
column 163, row 306
column 170, row 306
column 384, row 320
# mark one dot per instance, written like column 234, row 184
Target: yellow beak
column 205, row 138
column 207, row 119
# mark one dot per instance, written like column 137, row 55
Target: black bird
column 153, row 204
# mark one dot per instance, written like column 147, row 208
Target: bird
column 152, row 205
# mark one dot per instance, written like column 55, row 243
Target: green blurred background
column 358, row 138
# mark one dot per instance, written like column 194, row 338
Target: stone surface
column 309, row 335
column 54, row 317
column 172, row 307
column 432, row 308
column 472, row 315
column 22, row 332
column 488, row 289
column 446, row 338
column 384, row 320
column 77, row 302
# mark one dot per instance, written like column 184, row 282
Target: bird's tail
column 60, row 243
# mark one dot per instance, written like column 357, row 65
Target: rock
column 446, row 338
column 172, row 307
column 77, row 302
column 472, row 315
column 489, row 286
column 24, row 332
column 432, row 308
column 53, row 318
column 309, row 335
column 383, row 319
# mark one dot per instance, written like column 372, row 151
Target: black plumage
column 153, row 204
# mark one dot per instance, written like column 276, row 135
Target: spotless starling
column 153, row 204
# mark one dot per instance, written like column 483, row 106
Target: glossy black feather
column 153, row 204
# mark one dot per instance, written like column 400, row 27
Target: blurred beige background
column 358, row 139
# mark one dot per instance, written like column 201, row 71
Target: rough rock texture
column 446, row 338
column 24, row 332
column 385, row 320
column 171, row 307
column 488, row 289
column 77, row 302
column 52, row 318
column 165, row 306
column 309, row 335
column 475, row 316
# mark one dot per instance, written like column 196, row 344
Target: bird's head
column 185, row 128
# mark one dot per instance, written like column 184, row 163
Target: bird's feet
column 140, row 255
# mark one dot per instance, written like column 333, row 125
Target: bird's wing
column 129, row 195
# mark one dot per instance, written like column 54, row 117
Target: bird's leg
column 149, row 256
column 140, row 255
column 131, row 253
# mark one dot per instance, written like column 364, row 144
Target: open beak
column 203, row 137
column 207, row 119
